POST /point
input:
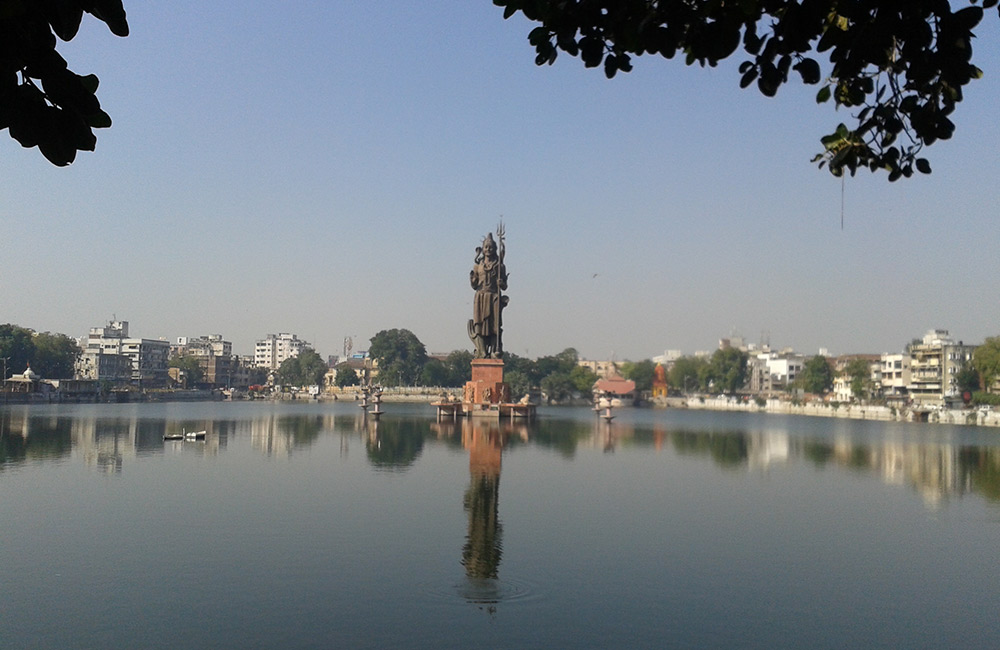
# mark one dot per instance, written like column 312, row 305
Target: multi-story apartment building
column 273, row 350
column 773, row 371
column 894, row 374
column 935, row 362
column 214, row 355
column 111, row 355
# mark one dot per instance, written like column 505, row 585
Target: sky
column 328, row 168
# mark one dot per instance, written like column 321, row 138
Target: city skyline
column 358, row 345
column 329, row 170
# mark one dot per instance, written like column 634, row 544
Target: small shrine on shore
column 486, row 394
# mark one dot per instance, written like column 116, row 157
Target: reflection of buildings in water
column 277, row 435
column 934, row 470
column 107, row 443
column 482, row 550
column 104, row 444
column 264, row 437
column 767, row 448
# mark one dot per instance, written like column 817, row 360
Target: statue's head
column 489, row 246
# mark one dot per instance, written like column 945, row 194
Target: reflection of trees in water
column 819, row 453
column 982, row 466
column 25, row 439
column 395, row 444
column 562, row 435
column 728, row 448
column 300, row 429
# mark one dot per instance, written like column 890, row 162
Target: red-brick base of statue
column 485, row 395
column 487, row 385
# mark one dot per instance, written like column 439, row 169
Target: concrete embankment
column 977, row 417
column 407, row 394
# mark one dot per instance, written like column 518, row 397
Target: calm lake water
column 304, row 525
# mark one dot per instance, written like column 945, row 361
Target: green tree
column 967, row 379
column 901, row 66
column 528, row 368
column 312, row 368
column 727, row 370
column 459, row 364
column 305, row 369
column 557, row 386
column 583, row 379
column 688, row 373
column 519, row 383
column 17, row 346
column 816, row 376
column 42, row 102
column 346, row 376
column 257, row 376
column 563, row 362
column 400, row 356
column 859, row 372
column 435, row 373
column 986, row 361
column 55, row 355
column 641, row 372
column 193, row 372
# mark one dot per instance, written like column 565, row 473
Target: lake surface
column 305, row 525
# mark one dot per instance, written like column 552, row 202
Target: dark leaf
column 113, row 14
column 610, row 66
column 809, row 70
column 65, row 19
column 99, row 120
column 748, row 77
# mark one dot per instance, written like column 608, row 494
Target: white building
column 773, row 371
column 667, row 358
column 110, row 354
column 275, row 349
column 894, row 374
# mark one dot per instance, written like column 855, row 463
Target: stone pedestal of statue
column 486, row 390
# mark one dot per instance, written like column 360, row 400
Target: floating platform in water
column 510, row 410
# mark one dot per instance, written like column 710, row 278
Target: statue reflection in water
column 483, row 547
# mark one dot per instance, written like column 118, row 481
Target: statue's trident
column 501, row 245
column 501, row 249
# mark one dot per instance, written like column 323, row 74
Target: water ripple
column 484, row 591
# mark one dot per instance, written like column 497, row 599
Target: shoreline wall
column 972, row 417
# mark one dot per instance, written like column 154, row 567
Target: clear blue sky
column 327, row 169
